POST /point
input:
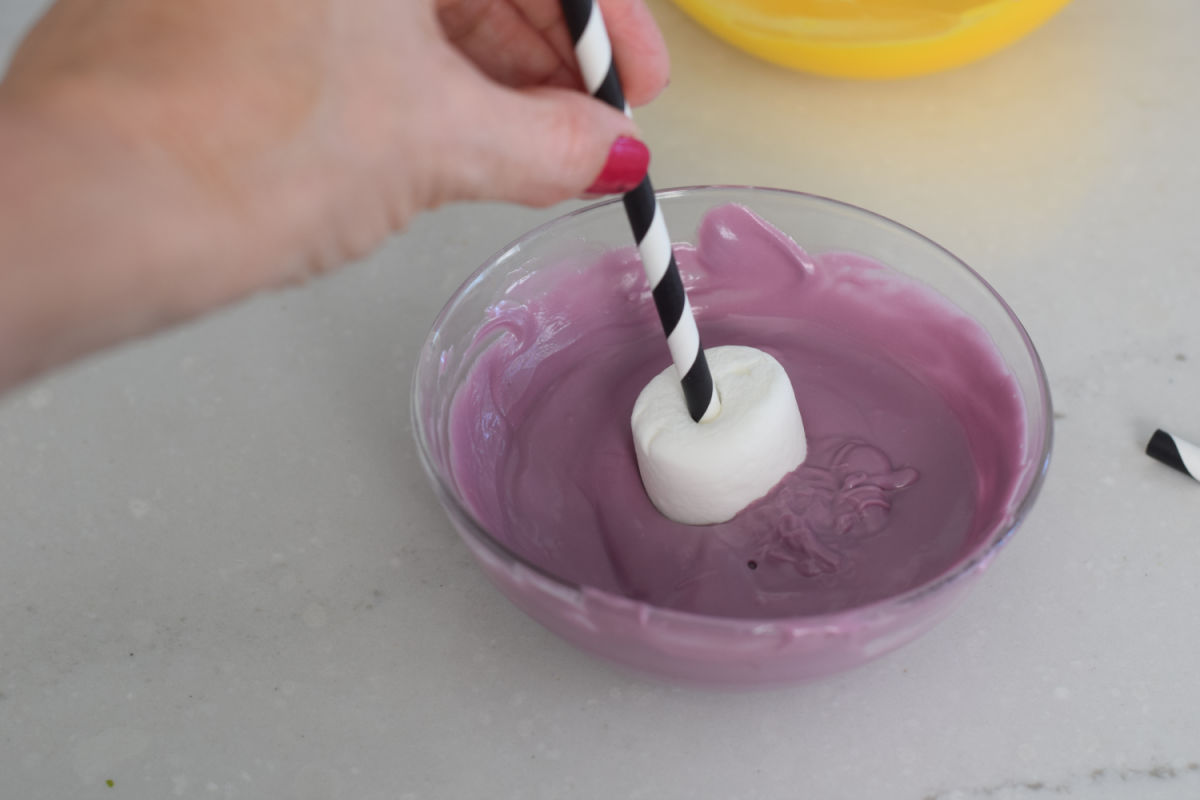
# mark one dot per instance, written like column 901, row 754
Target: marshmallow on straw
column 704, row 474
column 594, row 52
column 1175, row 453
column 752, row 434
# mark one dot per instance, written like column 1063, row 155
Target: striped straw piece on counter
column 1175, row 453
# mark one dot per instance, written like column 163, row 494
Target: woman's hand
column 172, row 155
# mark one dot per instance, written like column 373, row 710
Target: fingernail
column 628, row 160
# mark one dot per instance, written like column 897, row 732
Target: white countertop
column 223, row 575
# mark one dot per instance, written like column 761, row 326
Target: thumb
column 540, row 146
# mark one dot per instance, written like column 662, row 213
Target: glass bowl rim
column 979, row 556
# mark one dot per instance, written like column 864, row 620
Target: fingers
column 525, row 43
column 536, row 34
column 541, row 146
column 638, row 47
column 501, row 41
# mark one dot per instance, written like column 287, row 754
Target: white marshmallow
column 704, row 473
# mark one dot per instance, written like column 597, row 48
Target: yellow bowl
column 871, row 38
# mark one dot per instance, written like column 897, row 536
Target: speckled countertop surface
column 222, row 574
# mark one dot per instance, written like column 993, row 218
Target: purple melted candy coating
column 915, row 428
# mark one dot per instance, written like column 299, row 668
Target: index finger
column 638, row 49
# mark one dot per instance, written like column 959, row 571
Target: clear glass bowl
column 696, row 648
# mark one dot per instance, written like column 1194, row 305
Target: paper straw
column 1175, row 453
column 594, row 53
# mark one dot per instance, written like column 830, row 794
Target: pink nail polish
column 628, row 160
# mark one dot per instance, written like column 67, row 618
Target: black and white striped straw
column 594, row 53
column 1175, row 453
